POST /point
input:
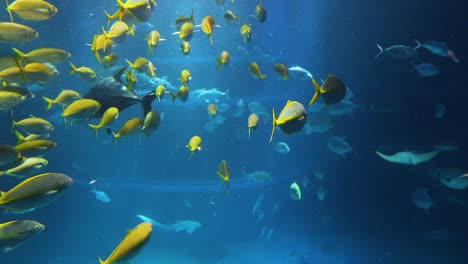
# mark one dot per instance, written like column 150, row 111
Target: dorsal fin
column 119, row 73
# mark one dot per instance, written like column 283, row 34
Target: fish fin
column 130, row 63
column 218, row 60
column 211, row 39
column 19, row 137
column 9, row 11
column 73, row 70
column 131, row 30
column 100, row 260
column 94, row 49
column 249, row 131
column 418, row 44
column 191, row 153
column 108, row 17
column 273, row 124
column 49, row 102
column 380, row 51
column 317, row 92
column 23, row 74
column 173, row 95
column 13, row 123
column 20, row 54
column 116, row 136
column 148, row 41
column 95, row 128
column 191, row 16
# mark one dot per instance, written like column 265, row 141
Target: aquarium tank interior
column 233, row 131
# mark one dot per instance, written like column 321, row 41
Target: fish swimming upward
column 185, row 225
column 409, row 158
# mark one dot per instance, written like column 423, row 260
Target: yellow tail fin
column 317, row 92
column 73, row 70
column 20, row 54
column 13, row 123
column 173, row 95
column 8, row 9
column 273, row 124
column 19, row 137
column 220, row 63
column 95, row 128
column 49, row 102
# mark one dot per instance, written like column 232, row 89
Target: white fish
column 409, row 158
column 282, row 148
column 436, row 47
column 185, row 225
column 295, row 191
column 455, row 178
column 101, row 196
column 426, row 69
column 339, row 145
column 345, row 107
column 209, row 93
column 300, row 72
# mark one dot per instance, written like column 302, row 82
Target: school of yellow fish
column 23, row 159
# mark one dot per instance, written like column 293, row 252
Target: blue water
column 367, row 215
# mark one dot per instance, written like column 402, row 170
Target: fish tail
column 13, row 123
column 418, row 44
column 146, row 101
column 148, row 41
column 101, row 261
column 191, row 17
column 105, row 33
column 211, row 39
column 95, row 128
column 273, row 124
column 380, row 51
column 249, row 131
column 19, row 137
column 317, row 92
column 173, row 95
column 20, row 54
column 227, row 94
column 2, row 173
column 8, row 9
column 73, row 70
column 131, row 30
column 116, row 136
column 108, row 17
column 49, row 102
column 262, row 76
column 94, row 49
column 130, row 64
column 191, row 153
column 23, row 74
column 220, row 63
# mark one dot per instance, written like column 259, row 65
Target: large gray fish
column 14, row 233
column 112, row 92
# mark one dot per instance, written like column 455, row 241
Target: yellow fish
column 110, row 60
column 13, row 75
column 64, row 98
column 153, row 39
column 107, row 119
column 81, row 109
column 182, row 19
column 281, row 70
column 34, row 192
column 185, row 76
column 246, row 33
column 223, row 59
column 230, row 17
column 34, row 148
column 333, row 90
column 32, row 125
column 16, row 33
column 101, row 44
column 194, row 144
column 185, row 47
column 39, row 72
column 8, row 154
column 291, row 119
column 9, row 99
column 260, row 12
column 140, row 64
column 118, row 31
column 211, row 109
column 21, row 139
column 13, row 233
column 224, row 174
column 129, row 10
column 130, row 245
column 151, row 123
column 130, row 127
column 255, row 71
column 85, row 73
column 26, row 167
column 252, row 122
column 160, row 91
column 44, row 55
column 207, row 27
column 31, row 9
column 186, row 31
column 182, row 94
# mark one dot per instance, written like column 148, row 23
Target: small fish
column 281, row 71
column 207, row 26
column 332, row 91
column 435, row 47
column 107, row 119
column 85, row 73
column 211, row 109
column 224, row 174
column 260, row 12
column 14, row 233
column 81, row 109
column 182, row 94
column 101, row 196
column 185, row 76
column 194, row 144
column 183, row 19
column 186, row 32
column 255, row 71
column 110, row 60
column 230, row 17
column 246, row 33
column 223, row 59
column 185, row 47
column 160, row 91
column 31, row 9
column 300, row 72
column 32, row 125
column 290, row 120
column 252, row 122
column 339, row 145
column 44, row 55
column 16, row 33
column 64, row 98
column 153, row 39
column 282, row 148
column 130, row 127
column 151, row 123
column 295, row 191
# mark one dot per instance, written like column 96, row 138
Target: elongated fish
column 408, row 158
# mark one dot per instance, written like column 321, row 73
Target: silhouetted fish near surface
column 399, row 51
column 426, row 69
column 112, row 92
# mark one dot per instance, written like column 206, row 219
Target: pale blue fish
column 188, row 226
column 282, row 148
column 436, row 47
column 426, row 69
column 339, row 145
column 345, row 107
column 408, row 158
column 401, row 52
column 317, row 123
column 209, row 94
column 300, row 73
column 101, row 196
